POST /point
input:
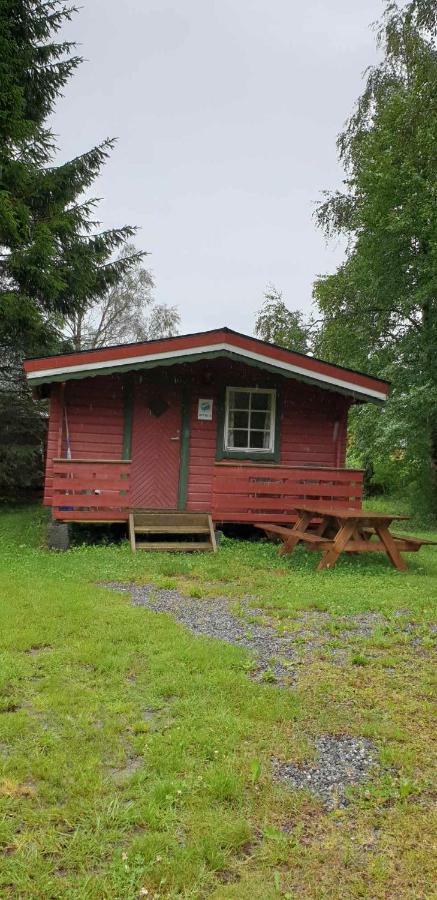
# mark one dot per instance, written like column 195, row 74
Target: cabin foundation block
column 58, row 536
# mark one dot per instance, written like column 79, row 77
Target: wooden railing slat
column 83, row 484
column 81, row 462
column 294, row 489
column 90, row 501
column 284, row 475
column 279, row 503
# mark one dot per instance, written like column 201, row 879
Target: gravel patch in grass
column 355, row 625
column 277, row 656
column 121, row 774
column 274, row 654
column 36, row 649
column 323, row 627
column 342, row 762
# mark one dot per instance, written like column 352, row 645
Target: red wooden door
column 156, row 447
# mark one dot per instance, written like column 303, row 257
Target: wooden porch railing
column 100, row 490
column 259, row 493
column 91, row 490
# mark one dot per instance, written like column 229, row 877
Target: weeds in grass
column 195, row 593
column 255, row 771
column 268, row 676
column 358, row 659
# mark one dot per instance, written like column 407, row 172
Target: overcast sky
column 226, row 113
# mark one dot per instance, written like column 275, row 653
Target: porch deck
column 99, row 491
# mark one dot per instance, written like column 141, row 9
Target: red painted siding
column 54, row 437
column 203, row 444
column 94, row 408
column 313, row 427
column 312, row 430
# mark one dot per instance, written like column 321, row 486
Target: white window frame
column 251, row 450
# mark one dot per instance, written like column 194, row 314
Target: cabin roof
column 218, row 343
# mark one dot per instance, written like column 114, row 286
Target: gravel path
column 342, row 762
column 212, row 617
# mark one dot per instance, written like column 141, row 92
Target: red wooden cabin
column 215, row 422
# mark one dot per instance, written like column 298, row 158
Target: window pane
column 238, row 438
column 259, row 440
column 239, row 420
column 261, row 401
column 239, row 399
column 260, row 420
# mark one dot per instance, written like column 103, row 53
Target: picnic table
column 344, row 530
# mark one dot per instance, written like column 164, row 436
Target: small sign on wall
column 204, row 410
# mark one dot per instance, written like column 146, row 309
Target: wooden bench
column 307, row 536
column 291, row 537
column 419, row 542
column 405, row 542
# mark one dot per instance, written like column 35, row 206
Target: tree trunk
column 429, row 331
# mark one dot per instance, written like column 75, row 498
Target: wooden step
column 175, row 529
column 172, row 518
column 175, row 525
column 180, row 546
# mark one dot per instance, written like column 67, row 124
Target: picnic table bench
column 345, row 530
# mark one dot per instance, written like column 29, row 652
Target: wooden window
column 249, row 425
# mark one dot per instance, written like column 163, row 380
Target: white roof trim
column 208, row 348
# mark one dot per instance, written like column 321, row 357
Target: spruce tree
column 53, row 258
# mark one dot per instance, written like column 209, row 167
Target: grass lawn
column 135, row 758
